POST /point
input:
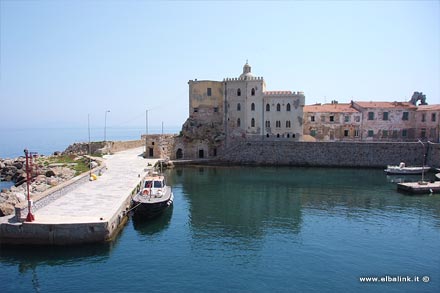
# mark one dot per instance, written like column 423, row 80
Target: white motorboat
column 404, row 170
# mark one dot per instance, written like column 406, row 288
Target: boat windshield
column 153, row 184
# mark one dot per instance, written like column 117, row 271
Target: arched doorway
column 201, row 154
column 179, row 154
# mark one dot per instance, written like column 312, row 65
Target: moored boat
column 153, row 198
column 404, row 170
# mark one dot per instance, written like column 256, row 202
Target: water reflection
column 32, row 256
column 249, row 202
column 152, row 226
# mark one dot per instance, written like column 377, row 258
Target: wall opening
column 179, row 154
column 201, row 154
column 150, row 152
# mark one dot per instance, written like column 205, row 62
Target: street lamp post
column 105, row 125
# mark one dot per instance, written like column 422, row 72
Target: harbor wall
column 332, row 154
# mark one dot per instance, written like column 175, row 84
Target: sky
column 64, row 61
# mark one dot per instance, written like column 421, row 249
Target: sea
column 254, row 229
column 247, row 229
column 45, row 141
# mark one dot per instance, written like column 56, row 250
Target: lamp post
column 423, row 163
column 105, row 125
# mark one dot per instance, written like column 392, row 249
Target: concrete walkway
column 98, row 201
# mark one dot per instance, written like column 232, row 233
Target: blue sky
column 63, row 60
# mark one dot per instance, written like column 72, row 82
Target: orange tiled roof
column 330, row 108
column 435, row 107
column 385, row 105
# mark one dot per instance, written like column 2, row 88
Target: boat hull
column 148, row 210
column 406, row 170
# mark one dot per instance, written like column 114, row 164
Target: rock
column 50, row 173
column 8, row 162
column 40, row 178
column 2, row 165
column 18, row 165
column 57, row 153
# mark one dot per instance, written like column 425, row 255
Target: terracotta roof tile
column 386, row 105
column 435, row 107
column 330, row 108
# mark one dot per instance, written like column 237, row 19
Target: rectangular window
column 394, row 133
column 370, row 133
column 332, row 118
column 384, row 133
column 312, row 118
column 347, row 118
column 356, row 133
column 404, row 132
column 209, row 92
column 433, row 117
column 357, row 118
column 215, row 109
column 313, row 132
column 346, row 132
column 370, row 115
column 423, row 117
column 423, row 133
column 385, row 116
column 405, row 116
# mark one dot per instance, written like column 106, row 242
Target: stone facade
column 427, row 119
column 387, row 121
column 371, row 121
column 332, row 122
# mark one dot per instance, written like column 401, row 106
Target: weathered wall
column 117, row 146
column 341, row 154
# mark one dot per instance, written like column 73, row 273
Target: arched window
column 267, row 123
column 252, row 122
column 238, row 122
column 288, row 135
column 278, row 135
column 239, row 92
column 252, row 107
column 267, row 107
column 252, row 92
column 238, row 107
column 288, row 107
column 288, row 124
column 278, row 107
column 278, row 124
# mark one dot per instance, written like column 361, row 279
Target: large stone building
column 222, row 113
column 226, row 114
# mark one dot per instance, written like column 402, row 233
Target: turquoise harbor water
column 244, row 229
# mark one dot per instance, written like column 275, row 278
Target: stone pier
column 92, row 212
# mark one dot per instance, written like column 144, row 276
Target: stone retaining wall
column 332, row 154
column 117, row 146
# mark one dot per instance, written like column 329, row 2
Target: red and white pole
column 30, row 217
